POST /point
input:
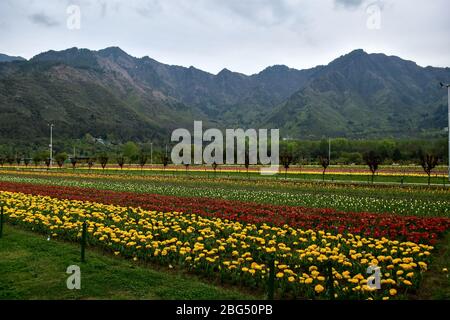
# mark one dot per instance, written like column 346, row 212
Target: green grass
column 33, row 268
column 436, row 283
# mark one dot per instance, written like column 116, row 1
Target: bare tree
column 428, row 163
column 214, row 166
column 247, row 162
column 324, row 162
column 91, row 162
column 373, row 159
column 120, row 161
column 73, row 161
column 142, row 160
column 165, row 161
column 47, row 163
column 186, row 166
column 286, row 160
column 103, row 159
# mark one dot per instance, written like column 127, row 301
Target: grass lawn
column 33, row 268
column 436, row 283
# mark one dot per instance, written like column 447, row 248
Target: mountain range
column 6, row 58
column 113, row 95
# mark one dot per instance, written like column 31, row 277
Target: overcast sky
column 241, row 35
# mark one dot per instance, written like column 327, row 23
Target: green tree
column 397, row 155
column 131, row 151
column 88, row 138
column 61, row 158
column 10, row 159
column 103, row 159
column 37, row 159
column 351, row 157
column 386, row 148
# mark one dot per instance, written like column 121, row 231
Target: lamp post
column 51, row 144
column 448, row 128
column 329, row 150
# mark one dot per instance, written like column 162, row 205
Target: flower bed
column 405, row 228
column 234, row 251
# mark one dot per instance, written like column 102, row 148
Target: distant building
column 99, row 140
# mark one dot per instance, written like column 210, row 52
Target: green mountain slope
column 81, row 93
column 113, row 95
column 6, row 58
column 361, row 95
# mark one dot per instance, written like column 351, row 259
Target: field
column 32, row 267
column 231, row 232
column 393, row 174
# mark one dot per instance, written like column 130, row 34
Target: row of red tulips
column 410, row 228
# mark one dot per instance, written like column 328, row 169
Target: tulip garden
column 317, row 240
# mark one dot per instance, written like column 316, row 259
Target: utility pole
column 329, row 150
column 448, row 128
column 51, row 145
column 151, row 154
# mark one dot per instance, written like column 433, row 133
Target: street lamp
column 329, row 151
column 51, row 144
column 151, row 154
column 448, row 128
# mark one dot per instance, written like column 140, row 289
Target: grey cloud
column 104, row 9
column 148, row 8
column 43, row 20
column 242, row 35
column 263, row 12
column 354, row 5
column 349, row 3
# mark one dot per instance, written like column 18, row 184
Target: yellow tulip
column 319, row 288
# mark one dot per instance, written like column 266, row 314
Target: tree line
column 373, row 153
